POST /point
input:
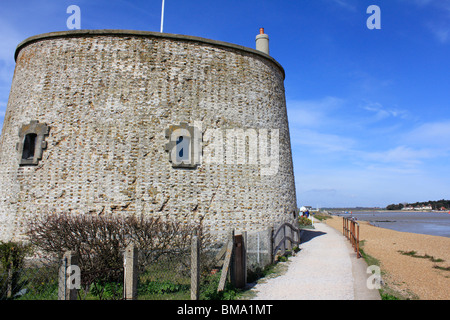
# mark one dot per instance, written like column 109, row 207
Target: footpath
column 325, row 268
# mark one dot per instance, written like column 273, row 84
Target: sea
column 431, row 223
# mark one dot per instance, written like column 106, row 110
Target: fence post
column 227, row 262
column 66, row 289
column 289, row 234
column 238, row 267
column 347, row 230
column 130, row 273
column 195, row 267
column 9, row 281
column 350, row 228
column 270, row 246
column 357, row 244
column 354, row 234
column 244, row 236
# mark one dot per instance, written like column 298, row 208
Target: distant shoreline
column 384, row 211
column 435, row 223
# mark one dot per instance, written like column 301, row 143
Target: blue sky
column 369, row 110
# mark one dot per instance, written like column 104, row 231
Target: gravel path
column 426, row 274
column 322, row 270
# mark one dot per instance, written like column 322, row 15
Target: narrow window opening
column 29, row 146
column 182, row 145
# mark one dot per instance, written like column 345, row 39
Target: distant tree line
column 399, row 206
column 435, row 205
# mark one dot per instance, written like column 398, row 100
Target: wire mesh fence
column 167, row 277
column 34, row 281
column 104, row 284
column 41, row 281
column 163, row 274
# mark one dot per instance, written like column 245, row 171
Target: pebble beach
column 413, row 266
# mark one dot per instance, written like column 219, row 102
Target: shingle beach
column 420, row 274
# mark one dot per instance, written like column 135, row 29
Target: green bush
column 209, row 285
column 104, row 290
column 99, row 243
column 41, row 282
column 161, row 287
column 304, row 221
column 12, row 257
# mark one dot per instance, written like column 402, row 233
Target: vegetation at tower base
column 12, row 257
column 99, row 242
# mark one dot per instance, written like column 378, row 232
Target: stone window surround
column 40, row 130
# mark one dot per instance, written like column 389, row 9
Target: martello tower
column 128, row 122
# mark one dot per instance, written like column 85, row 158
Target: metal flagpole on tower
column 162, row 16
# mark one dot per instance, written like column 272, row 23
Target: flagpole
column 162, row 16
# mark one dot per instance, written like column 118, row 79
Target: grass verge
column 414, row 254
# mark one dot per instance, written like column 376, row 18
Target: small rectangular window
column 31, row 143
column 29, row 146
column 183, row 144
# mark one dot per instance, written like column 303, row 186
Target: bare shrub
column 100, row 241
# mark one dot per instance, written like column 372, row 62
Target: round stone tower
column 129, row 122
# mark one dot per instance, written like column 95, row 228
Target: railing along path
column 350, row 229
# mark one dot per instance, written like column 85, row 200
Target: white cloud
column 345, row 4
column 313, row 113
column 439, row 25
column 368, row 160
column 376, row 185
column 311, row 122
column 320, row 142
column 441, row 32
column 431, row 134
column 9, row 38
column 382, row 112
column 422, row 2
column 400, row 155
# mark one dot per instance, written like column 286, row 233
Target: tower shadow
column 308, row 235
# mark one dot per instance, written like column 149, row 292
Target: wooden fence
column 285, row 243
column 350, row 229
column 232, row 258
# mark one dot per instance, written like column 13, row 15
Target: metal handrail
column 350, row 229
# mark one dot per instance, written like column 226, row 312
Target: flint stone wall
column 107, row 97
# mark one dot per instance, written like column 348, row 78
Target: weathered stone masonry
column 107, row 97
